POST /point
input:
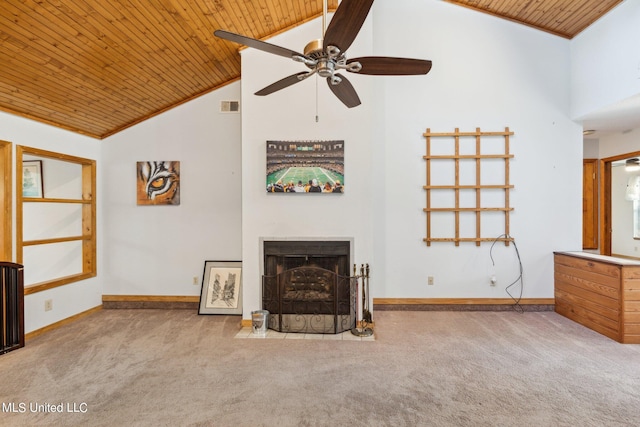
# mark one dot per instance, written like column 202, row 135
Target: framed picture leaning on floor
column 221, row 291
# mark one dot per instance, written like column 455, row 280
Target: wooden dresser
column 599, row 292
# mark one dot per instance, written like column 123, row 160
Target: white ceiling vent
column 229, row 106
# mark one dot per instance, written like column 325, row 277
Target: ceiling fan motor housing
column 325, row 64
column 314, row 50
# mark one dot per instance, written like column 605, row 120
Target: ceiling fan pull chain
column 316, row 98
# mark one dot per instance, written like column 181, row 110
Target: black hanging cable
column 517, row 307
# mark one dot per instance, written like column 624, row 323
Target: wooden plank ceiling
column 564, row 18
column 97, row 67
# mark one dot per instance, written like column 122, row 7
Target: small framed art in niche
column 32, row 184
column 305, row 167
column 158, row 183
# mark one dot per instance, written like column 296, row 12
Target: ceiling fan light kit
column 325, row 57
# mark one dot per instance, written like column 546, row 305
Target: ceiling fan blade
column 346, row 23
column 389, row 66
column 257, row 44
column 281, row 84
column 344, row 91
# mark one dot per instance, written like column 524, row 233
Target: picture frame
column 32, row 183
column 158, row 183
column 305, row 166
column 221, row 291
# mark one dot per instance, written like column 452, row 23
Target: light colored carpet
column 173, row 367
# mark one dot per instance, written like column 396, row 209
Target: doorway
column 606, row 200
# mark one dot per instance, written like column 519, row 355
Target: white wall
column 605, row 69
column 619, row 143
column 76, row 297
column 487, row 73
column 591, row 149
column 290, row 115
column 158, row 250
column 605, row 60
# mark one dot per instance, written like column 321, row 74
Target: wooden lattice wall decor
column 461, row 157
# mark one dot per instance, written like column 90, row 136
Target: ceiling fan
column 326, row 56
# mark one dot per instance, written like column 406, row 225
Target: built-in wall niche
column 56, row 226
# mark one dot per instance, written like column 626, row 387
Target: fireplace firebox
column 306, row 286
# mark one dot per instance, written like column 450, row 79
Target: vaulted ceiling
column 97, row 67
column 564, row 18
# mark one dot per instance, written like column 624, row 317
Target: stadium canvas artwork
column 305, row 167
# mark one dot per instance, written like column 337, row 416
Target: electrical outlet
column 430, row 280
column 195, row 280
column 48, row 305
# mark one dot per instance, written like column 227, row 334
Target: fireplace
column 306, row 286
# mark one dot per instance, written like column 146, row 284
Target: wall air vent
column 229, row 106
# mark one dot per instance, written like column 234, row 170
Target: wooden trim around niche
column 88, row 201
column 6, row 207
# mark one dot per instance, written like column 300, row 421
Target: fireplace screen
column 310, row 300
column 307, row 288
